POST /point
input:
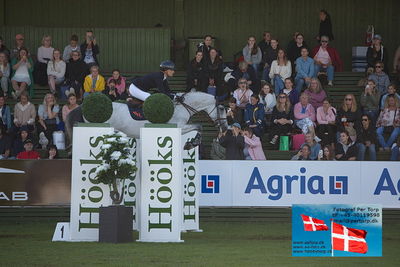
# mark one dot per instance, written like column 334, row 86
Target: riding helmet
column 167, row 65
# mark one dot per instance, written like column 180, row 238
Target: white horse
column 193, row 102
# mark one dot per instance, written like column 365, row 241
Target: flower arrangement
column 117, row 163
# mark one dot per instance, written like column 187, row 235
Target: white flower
column 105, row 146
column 103, row 167
column 116, row 155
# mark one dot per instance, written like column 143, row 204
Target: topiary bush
column 158, row 108
column 97, row 108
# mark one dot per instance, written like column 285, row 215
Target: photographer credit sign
column 161, row 184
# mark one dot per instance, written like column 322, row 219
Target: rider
column 140, row 86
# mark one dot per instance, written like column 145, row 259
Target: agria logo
column 277, row 185
column 210, row 184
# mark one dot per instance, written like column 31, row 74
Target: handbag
column 52, row 121
column 297, row 141
column 284, row 143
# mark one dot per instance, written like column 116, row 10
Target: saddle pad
column 136, row 113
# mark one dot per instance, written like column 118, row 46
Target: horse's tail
column 73, row 117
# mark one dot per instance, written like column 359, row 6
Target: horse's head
column 200, row 101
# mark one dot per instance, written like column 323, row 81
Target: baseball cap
column 27, row 141
column 237, row 125
column 377, row 36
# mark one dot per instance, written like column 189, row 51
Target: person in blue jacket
column 141, row 86
column 254, row 115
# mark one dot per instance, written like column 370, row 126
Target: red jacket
column 28, row 155
column 333, row 54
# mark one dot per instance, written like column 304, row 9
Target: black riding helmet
column 167, row 65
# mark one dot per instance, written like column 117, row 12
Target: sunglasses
column 323, row 41
column 378, row 67
column 242, row 83
column 282, row 96
column 349, row 99
column 364, row 119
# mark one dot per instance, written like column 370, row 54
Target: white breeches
column 138, row 93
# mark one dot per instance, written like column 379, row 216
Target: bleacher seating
column 345, row 82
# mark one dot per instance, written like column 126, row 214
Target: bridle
column 192, row 111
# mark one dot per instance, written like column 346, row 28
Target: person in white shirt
column 281, row 69
column 55, row 70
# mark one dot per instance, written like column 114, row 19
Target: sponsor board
column 283, row 183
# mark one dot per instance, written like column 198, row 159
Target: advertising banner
column 337, row 230
column 161, row 184
column 283, row 183
column 35, row 182
column 191, row 184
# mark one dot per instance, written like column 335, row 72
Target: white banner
column 191, row 185
column 161, row 185
column 283, row 183
column 87, row 195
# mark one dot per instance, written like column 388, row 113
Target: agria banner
column 283, row 183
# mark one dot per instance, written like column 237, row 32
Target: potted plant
column 115, row 222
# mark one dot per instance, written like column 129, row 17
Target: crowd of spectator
column 271, row 92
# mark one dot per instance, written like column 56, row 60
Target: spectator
column 326, row 59
column 22, row 67
column 280, row 70
column 325, row 25
column 94, row 82
column 366, row 139
column 233, row 143
column 3, row 48
column 71, row 105
column 326, row 118
column 303, row 154
column 5, row 143
column 304, row 114
column 389, row 122
column 314, row 146
column 294, row 49
column 290, row 92
column 316, row 93
column 395, row 150
column 111, row 91
column 72, row 47
column 52, row 152
column 305, row 70
column 120, row 82
column 370, row 101
column 48, row 119
column 18, row 144
column 197, row 77
column 24, row 113
column 55, row 70
column 29, row 152
column 44, row 55
column 215, row 70
column 254, row 116
column 346, row 148
column 90, row 50
column 268, row 99
column 19, row 43
column 391, row 91
column 234, row 114
column 5, row 114
column 396, row 64
column 252, row 53
column 217, row 151
column 253, row 149
column 243, row 93
column 75, row 74
column 282, row 118
column 265, row 42
column 269, row 55
column 328, row 153
column 205, row 47
column 348, row 116
column 4, row 73
column 380, row 78
column 376, row 52
column 243, row 71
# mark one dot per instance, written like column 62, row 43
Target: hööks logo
column 210, row 184
column 274, row 185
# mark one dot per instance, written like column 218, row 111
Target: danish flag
column 348, row 239
column 312, row 224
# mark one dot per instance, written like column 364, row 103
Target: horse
column 189, row 104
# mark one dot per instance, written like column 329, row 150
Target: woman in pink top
column 326, row 118
column 253, row 145
column 243, row 93
column 316, row 94
column 67, row 108
column 304, row 114
column 120, row 81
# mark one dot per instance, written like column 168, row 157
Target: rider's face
column 169, row 73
